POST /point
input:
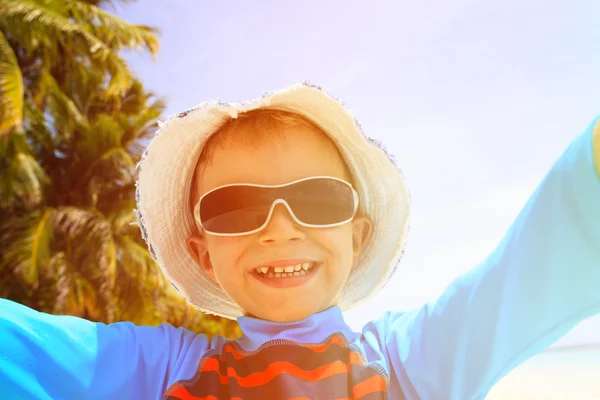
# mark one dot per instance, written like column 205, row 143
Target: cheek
column 338, row 242
column 225, row 252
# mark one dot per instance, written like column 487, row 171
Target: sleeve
column 542, row 280
column 596, row 146
column 47, row 357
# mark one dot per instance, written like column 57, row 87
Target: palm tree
column 73, row 124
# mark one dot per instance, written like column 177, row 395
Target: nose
column 281, row 228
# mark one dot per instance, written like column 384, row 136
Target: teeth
column 283, row 272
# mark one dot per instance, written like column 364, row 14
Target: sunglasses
column 244, row 208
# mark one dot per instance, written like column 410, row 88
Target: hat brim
column 167, row 167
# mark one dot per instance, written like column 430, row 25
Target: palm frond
column 97, row 304
column 65, row 302
column 92, row 249
column 120, row 213
column 131, row 302
column 22, row 179
column 114, row 169
column 26, row 244
column 106, row 163
column 107, row 3
column 28, row 179
column 135, row 99
column 106, row 134
column 38, row 133
column 73, row 293
column 46, row 23
column 136, row 261
column 64, row 111
column 113, row 31
column 11, row 89
column 143, row 124
column 120, row 76
column 92, row 232
column 34, row 25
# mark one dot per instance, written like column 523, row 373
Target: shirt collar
column 313, row 329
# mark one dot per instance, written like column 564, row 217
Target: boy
column 280, row 213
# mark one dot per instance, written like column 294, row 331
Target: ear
column 362, row 228
column 199, row 251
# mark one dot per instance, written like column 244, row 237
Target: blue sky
column 476, row 99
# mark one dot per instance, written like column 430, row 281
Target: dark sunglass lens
column 234, row 209
column 321, row 201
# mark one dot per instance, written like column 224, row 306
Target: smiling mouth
column 281, row 272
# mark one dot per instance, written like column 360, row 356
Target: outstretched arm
column 541, row 281
column 47, row 357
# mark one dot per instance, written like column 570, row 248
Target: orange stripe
column 368, row 386
column 354, row 360
column 277, row 368
column 240, row 354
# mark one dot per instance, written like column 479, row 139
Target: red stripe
column 277, row 368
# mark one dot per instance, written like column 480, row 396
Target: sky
column 475, row 99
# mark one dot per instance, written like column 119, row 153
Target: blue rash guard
column 543, row 278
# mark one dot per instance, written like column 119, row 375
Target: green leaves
column 67, row 116
column 73, row 124
column 113, row 31
column 28, row 241
column 22, row 179
column 11, row 89
column 55, row 31
column 89, row 237
column 80, row 237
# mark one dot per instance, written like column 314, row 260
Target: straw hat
column 164, row 183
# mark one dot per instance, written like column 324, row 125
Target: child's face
column 231, row 261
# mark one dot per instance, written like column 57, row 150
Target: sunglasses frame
column 276, row 202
